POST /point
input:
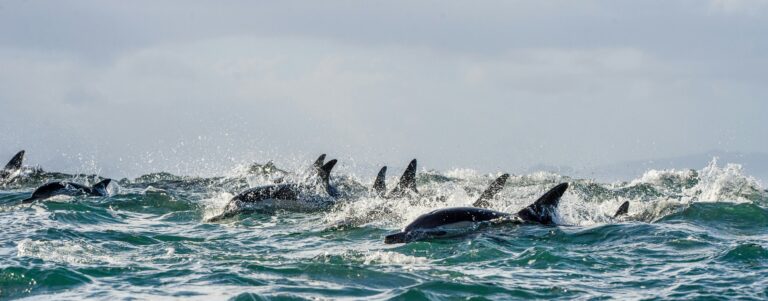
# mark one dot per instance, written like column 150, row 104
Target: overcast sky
column 197, row 87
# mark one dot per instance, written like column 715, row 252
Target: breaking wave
column 693, row 232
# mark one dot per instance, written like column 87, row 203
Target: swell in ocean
column 693, row 233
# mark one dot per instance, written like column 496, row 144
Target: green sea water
column 690, row 234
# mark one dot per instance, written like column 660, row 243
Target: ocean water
column 690, row 234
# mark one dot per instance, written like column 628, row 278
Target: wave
column 148, row 238
column 654, row 195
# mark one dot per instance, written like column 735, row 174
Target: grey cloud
column 196, row 87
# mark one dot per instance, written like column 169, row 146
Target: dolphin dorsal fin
column 16, row 162
column 319, row 162
column 325, row 171
column 623, row 209
column 542, row 210
column 407, row 181
column 379, row 186
column 491, row 191
column 101, row 187
column 325, row 176
column 317, row 166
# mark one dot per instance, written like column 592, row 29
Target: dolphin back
column 444, row 223
column 257, row 194
column 44, row 192
column 396, row 238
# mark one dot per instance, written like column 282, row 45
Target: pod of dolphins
column 316, row 192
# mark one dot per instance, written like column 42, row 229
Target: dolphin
column 455, row 221
column 292, row 197
column 11, row 169
column 68, row 188
column 405, row 188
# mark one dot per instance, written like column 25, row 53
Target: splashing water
column 689, row 234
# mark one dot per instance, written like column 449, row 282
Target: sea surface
column 690, row 234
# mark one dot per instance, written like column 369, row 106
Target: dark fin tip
column 327, row 167
column 382, row 172
column 623, row 209
column 552, row 197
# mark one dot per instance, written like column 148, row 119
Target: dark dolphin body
column 11, row 169
column 405, row 188
column 68, row 188
column 454, row 221
column 292, row 197
column 409, row 175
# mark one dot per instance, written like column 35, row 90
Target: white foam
column 724, row 184
column 215, row 205
column 64, row 251
column 392, row 258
